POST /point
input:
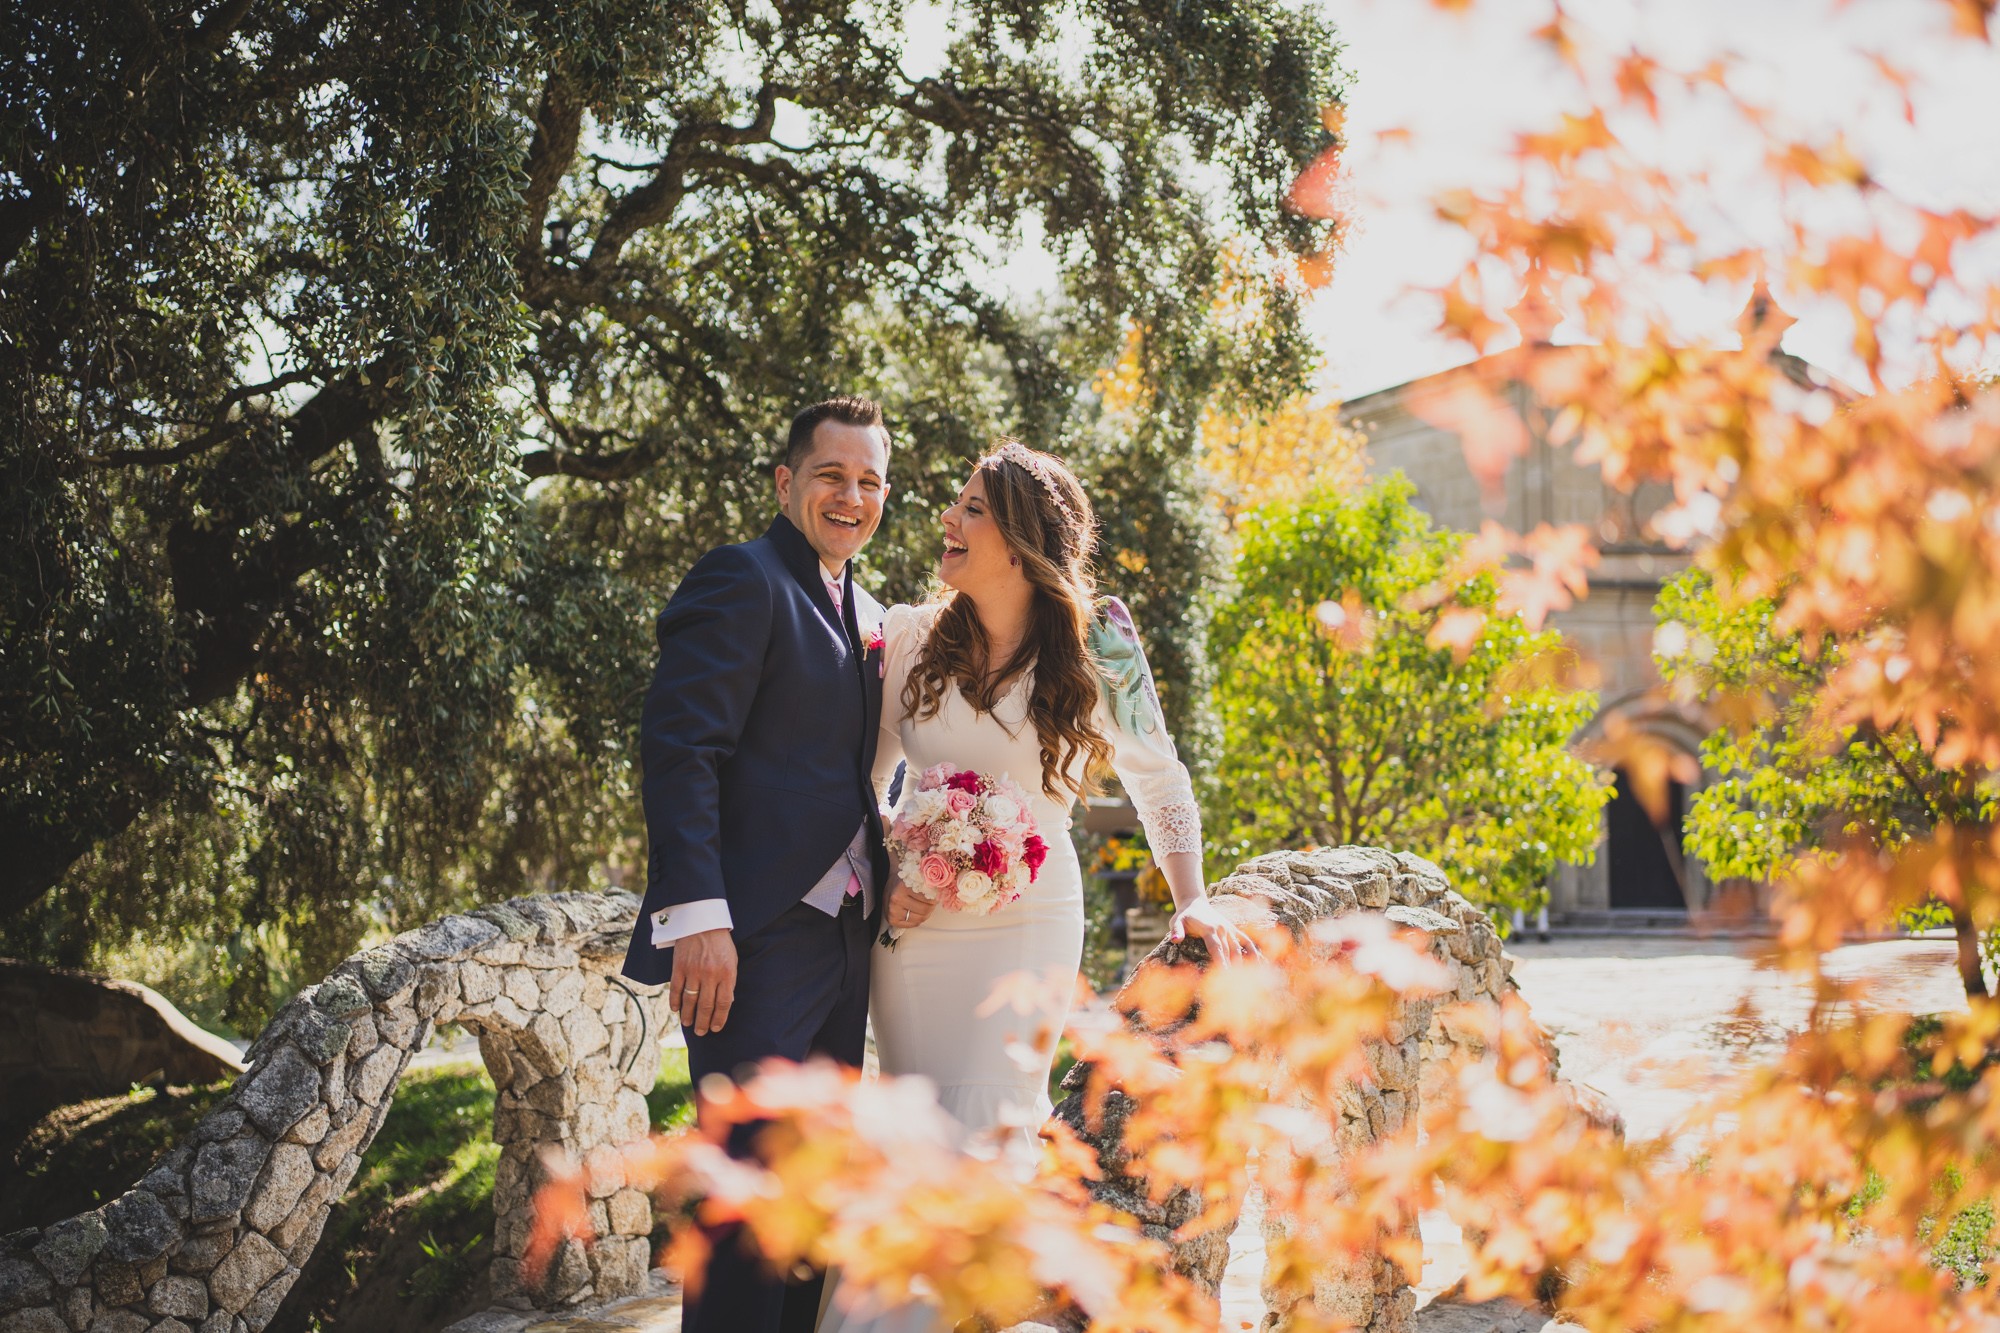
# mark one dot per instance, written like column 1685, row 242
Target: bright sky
column 1464, row 85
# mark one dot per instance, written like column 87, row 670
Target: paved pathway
column 1657, row 1023
column 1654, row 1022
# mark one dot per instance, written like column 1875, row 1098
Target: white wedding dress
column 927, row 994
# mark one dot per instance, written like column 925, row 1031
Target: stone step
column 656, row 1308
column 1653, row 921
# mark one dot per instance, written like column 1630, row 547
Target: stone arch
column 1296, row 888
column 214, row 1235
column 1596, row 887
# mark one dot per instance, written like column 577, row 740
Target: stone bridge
column 213, row 1237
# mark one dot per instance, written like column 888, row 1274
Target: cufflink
column 660, row 917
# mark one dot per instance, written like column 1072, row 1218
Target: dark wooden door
column 1643, row 873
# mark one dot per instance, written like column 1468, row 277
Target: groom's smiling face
column 835, row 494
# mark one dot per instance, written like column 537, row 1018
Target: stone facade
column 213, row 1237
column 1612, row 628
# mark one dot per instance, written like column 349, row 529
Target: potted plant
column 1147, row 919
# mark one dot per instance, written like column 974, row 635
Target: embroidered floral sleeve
column 1141, row 750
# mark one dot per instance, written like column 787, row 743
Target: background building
column 1639, row 866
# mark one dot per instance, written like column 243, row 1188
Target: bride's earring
column 1013, row 559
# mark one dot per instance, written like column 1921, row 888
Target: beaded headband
column 1042, row 470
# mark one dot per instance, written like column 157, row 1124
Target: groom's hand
column 703, row 985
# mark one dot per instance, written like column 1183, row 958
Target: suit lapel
column 802, row 562
column 870, row 698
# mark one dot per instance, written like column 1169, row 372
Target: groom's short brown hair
column 849, row 409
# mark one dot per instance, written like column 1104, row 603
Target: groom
column 765, row 855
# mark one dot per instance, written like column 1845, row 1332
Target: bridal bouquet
column 965, row 841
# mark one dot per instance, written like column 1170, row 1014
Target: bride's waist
column 1028, row 908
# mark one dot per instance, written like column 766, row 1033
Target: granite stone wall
column 72, row 1036
column 213, row 1237
column 1294, row 889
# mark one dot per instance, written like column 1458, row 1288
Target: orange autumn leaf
column 1489, row 429
column 1314, row 193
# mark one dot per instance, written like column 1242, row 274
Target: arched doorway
column 1644, row 867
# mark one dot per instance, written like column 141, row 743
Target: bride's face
column 975, row 556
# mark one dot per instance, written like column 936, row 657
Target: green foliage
column 369, row 372
column 1787, row 779
column 1103, row 958
column 448, row 1268
column 670, row 1105
column 1385, row 740
column 1965, row 1247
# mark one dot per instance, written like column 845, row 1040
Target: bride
column 1015, row 668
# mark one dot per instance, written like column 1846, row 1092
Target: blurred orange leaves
column 1802, row 1196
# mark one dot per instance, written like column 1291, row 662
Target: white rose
column 955, row 837
column 1002, row 810
column 973, row 886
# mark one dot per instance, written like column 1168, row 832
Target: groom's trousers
column 801, row 990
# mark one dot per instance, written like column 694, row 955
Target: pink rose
column 917, row 839
column 937, row 872
column 960, row 801
column 988, row 858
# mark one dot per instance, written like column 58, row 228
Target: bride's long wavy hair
column 1046, row 519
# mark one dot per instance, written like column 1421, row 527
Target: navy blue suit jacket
column 757, row 737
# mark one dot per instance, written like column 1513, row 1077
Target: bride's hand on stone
column 1201, row 918
column 906, row 909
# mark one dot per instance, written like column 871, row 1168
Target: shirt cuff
column 673, row 923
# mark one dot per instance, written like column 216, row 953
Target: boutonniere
column 873, row 644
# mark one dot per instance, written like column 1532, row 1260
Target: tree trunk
column 1969, row 969
column 40, row 854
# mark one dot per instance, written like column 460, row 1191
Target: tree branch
column 215, row 29
column 179, row 453
column 558, row 124
column 623, row 465
column 1910, row 779
column 656, row 200
column 332, row 416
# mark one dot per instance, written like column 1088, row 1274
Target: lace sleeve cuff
column 1172, row 828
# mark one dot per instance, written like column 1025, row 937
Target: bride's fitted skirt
column 928, row 1002
column 932, row 999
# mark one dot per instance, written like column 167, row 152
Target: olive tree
column 369, row 372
